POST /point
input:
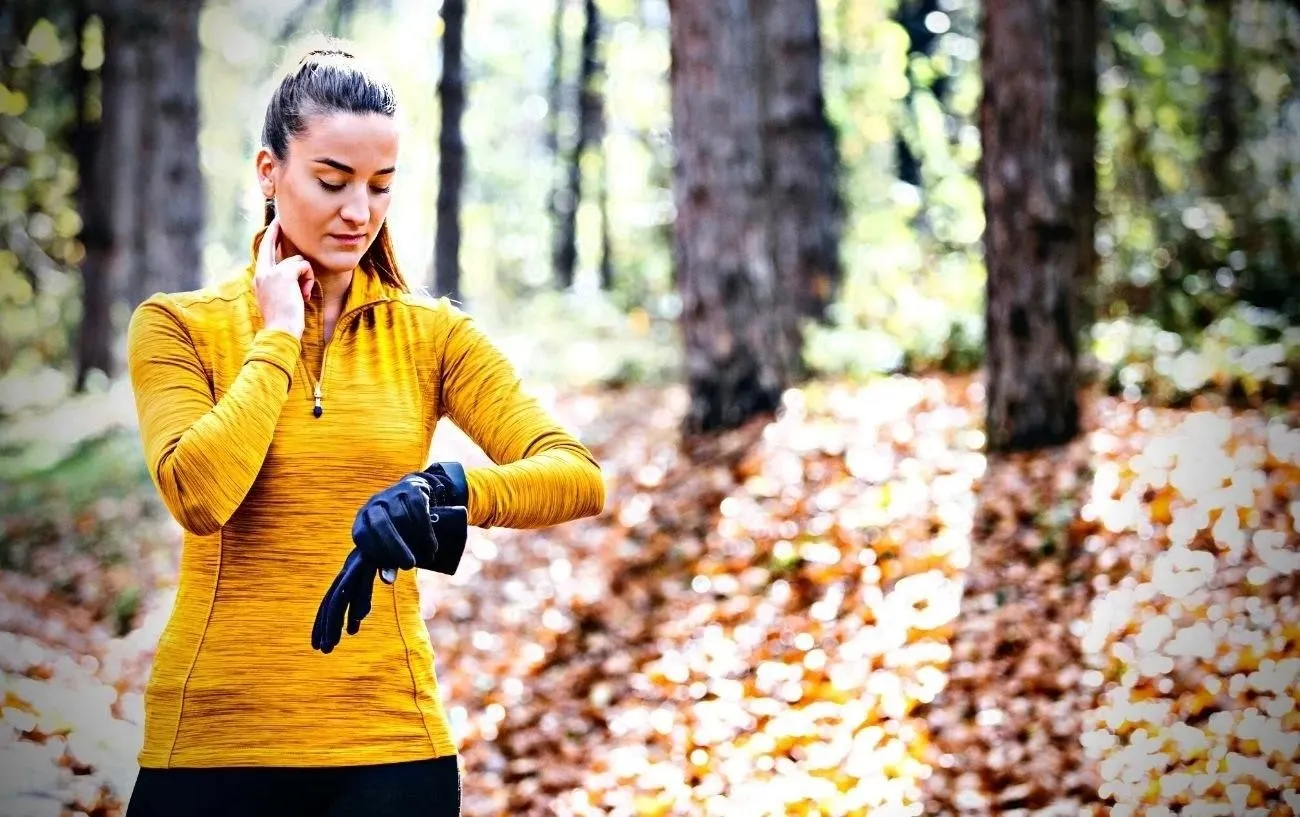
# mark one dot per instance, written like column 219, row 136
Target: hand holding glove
column 403, row 527
column 419, row 522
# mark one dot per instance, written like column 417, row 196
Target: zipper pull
column 317, row 410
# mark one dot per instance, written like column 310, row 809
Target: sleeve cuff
column 277, row 347
column 452, row 530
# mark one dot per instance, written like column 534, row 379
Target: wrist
column 449, row 482
column 294, row 328
column 450, row 534
column 450, row 531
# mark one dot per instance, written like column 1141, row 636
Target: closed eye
column 334, row 188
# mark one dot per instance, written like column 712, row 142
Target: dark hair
column 330, row 80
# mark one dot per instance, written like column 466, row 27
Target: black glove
column 350, row 593
column 449, row 483
column 418, row 522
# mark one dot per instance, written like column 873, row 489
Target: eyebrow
column 342, row 168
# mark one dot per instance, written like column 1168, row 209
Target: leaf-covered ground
column 849, row 611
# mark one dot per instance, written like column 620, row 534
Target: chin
column 339, row 261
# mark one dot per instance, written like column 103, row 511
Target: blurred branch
column 343, row 12
column 33, row 261
column 296, row 18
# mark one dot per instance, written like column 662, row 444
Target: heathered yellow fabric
column 267, row 494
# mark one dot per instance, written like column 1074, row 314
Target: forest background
column 877, row 585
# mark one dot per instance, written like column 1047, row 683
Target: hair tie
column 329, row 52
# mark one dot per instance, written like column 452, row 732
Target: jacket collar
column 366, row 289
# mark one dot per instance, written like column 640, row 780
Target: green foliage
column 1248, row 353
column 39, row 222
column 578, row 341
column 1179, row 245
column 87, row 500
column 1197, row 215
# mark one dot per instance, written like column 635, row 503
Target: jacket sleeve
column 543, row 475
column 203, row 454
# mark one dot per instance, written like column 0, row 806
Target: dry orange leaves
column 848, row 611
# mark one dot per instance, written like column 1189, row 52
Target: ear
column 267, row 171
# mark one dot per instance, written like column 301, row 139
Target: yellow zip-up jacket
column 267, row 493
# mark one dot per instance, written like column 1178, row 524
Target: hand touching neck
column 333, row 283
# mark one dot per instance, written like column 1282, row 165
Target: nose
column 356, row 209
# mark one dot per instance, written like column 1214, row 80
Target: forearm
column 543, row 474
column 555, row 486
column 204, row 457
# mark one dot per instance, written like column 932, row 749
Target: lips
column 348, row 239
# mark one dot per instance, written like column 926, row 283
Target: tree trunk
column 741, row 339
column 451, row 151
column 910, row 16
column 589, row 126
column 94, row 202
column 1221, row 130
column 170, row 200
column 124, row 103
column 344, row 10
column 1078, row 41
column 801, row 158
column 554, row 101
column 1038, row 219
column 606, row 243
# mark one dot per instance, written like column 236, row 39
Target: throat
column 333, row 292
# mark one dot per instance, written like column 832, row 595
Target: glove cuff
column 450, row 484
column 451, row 530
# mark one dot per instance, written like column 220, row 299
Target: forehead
column 365, row 142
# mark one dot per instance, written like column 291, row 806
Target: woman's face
column 332, row 191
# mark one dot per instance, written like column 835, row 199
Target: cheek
column 305, row 213
column 313, row 205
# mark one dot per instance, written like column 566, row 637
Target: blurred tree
column 1039, row 76
column 168, row 193
column 590, row 125
column 738, row 319
column 606, row 234
column 1198, row 163
column 95, row 332
column 911, row 16
column 451, row 151
column 554, row 109
column 801, row 157
column 1221, row 130
column 344, row 11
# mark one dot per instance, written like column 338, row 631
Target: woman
column 286, row 415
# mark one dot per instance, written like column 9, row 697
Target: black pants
column 422, row 788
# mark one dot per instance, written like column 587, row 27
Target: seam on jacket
column 198, row 648
column 215, row 296
column 168, row 305
column 171, row 307
column 415, row 684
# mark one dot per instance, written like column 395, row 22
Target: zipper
column 317, row 384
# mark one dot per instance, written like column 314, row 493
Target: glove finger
column 380, row 524
column 368, row 538
column 318, row 626
column 333, row 624
column 363, row 588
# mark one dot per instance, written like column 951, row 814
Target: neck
column 334, row 288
